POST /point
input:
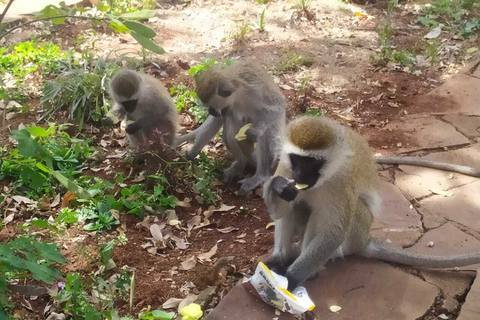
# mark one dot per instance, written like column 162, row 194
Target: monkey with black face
column 235, row 96
column 146, row 105
column 325, row 192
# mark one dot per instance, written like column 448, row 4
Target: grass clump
column 79, row 90
column 290, row 61
column 239, row 34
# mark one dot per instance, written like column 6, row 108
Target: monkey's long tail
column 379, row 250
column 412, row 161
column 186, row 137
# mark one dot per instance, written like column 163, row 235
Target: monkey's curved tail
column 412, row 161
column 186, row 137
column 379, row 250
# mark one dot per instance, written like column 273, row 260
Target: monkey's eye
column 306, row 163
column 130, row 105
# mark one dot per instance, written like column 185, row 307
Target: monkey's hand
column 252, row 135
column 284, row 188
column 106, row 122
column 132, row 128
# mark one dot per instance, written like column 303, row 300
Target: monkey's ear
column 225, row 89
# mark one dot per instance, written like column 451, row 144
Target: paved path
column 425, row 211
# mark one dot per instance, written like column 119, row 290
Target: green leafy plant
column 198, row 69
column 470, row 28
column 24, row 257
column 206, row 172
column 240, row 32
column 187, row 99
column 44, row 158
column 261, row 26
column 100, row 216
column 303, row 5
column 75, row 299
column 156, row 315
column 290, row 61
column 264, row 1
column 79, row 90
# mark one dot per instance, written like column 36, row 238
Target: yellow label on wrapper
column 271, row 289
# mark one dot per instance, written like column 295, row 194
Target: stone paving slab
column 365, row 289
column 471, row 308
column 459, row 95
column 469, row 126
column 452, row 283
column 427, row 131
column 462, row 207
column 447, row 240
column 398, row 222
column 418, row 182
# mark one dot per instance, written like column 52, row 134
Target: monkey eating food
column 245, row 100
column 146, row 105
column 333, row 210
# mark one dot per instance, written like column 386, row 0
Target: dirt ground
column 343, row 84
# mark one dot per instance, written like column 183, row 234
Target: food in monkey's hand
column 242, row 133
column 301, row 186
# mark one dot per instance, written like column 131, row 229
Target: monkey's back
column 256, row 79
column 158, row 99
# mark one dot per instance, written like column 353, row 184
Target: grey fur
column 255, row 99
column 155, row 108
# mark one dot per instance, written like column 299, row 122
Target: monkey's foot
column 250, row 184
column 293, row 282
column 276, row 264
column 234, row 171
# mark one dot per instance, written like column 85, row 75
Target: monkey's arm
column 203, row 135
column 412, row 161
column 278, row 193
column 264, row 120
column 116, row 114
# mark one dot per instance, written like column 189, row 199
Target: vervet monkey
column 235, row 96
column 146, row 105
column 325, row 191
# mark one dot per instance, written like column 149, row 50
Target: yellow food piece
column 241, row 135
column 191, row 312
column 301, row 186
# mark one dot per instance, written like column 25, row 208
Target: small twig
column 49, row 18
column 4, row 13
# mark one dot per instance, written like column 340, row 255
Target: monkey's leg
column 238, row 166
column 204, row 135
column 266, row 156
column 318, row 247
column 283, row 253
column 135, row 139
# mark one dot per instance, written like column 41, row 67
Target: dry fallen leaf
column 21, row 199
column 271, row 224
column 227, row 230
column 184, row 204
column 442, row 193
column 171, row 303
column 185, row 302
column 243, row 235
column 67, row 198
column 8, row 219
column 179, row 242
column 56, row 201
column 206, row 256
column 224, row 208
column 189, row 264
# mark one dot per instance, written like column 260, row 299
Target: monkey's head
column 125, row 87
column 215, row 91
column 314, row 150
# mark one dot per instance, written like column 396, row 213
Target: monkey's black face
column 130, row 105
column 306, row 170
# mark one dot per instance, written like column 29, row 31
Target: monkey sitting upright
column 325, row 191
column 146, row 104
column 235, row 96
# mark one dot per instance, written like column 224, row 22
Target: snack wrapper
column 271, row 288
